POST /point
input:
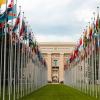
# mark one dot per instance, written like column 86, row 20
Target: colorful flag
column 12, row 14
column 11, row 4
column 85, row 42
column 22, row 27
column 97, row 22
column 25, row 37
column 2, row 25
column 90, row 33
column 2, row 2
column 94, row 31
column 16, row 23
column 4, row 16
column 80, row 41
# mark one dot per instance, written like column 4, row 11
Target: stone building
column 56, row 54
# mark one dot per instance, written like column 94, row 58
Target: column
column 49, row 68
column 61, row 68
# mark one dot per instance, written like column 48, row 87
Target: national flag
column 76, row 53
column 2, row 28
column 2, row 25
column 12, row 14
column 30, row 39
column 16, row 23
column 30, row 36
column 22, row 27
column 11, row 4
column 94, row 31
column 85, row 33
column 25, row 37
column 4, row 16
column 2, row 2
column 85, row 42
column 97, row 22
column 90, row 33
column 80, row 41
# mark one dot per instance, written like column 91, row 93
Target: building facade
column 56, row 55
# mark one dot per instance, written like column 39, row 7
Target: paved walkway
column 57, row 92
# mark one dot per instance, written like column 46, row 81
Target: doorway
column 55, row 74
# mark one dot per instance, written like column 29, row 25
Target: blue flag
column 12, row 14
column 5, row 16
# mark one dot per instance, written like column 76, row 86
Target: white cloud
column 64, row 18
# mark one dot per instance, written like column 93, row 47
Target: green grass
column 57, row 92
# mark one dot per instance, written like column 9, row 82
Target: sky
column 58, row 20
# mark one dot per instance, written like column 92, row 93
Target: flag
column 2, row 28
column 11, row 4
column 90, row 33
column 85, row 33
column 97, row 22
column 12, row 13
column 4, row 16
column 80, row 41
column 30, row 39
column 2, row 25
column 22, row 27
column 85, row 42
column 2, row 2
column 25, row 33
column 94, row 31
column 16, row 23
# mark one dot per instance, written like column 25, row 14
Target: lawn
column 57, row 92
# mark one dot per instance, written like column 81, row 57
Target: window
column 55, row 62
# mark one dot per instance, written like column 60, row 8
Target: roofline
column 56, row 43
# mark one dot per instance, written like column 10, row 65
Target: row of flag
column 91, row 36
column 23, row 68
column 82, row 71
column 24, row 33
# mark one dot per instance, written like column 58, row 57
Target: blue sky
column 58, row 20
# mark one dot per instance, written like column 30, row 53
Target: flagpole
column 1, row 49
column 22, row 68
column 19, row 59
column 95, row 54
column 99, row 60
column 4, row 74
column 14, row 97
column 10, row 68
column 0, row 59
column 98, row 69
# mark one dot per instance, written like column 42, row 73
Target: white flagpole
column 92, row 69
column 21, row 68
column 1, row 45
column 4, row 72
column 98, row 86
column 18, row 60
column 1, row 57
column 15, row 60
column 9, row 68
column 99, row 66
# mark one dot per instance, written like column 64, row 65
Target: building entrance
column 55, row 74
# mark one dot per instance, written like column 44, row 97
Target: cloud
column 58, row 18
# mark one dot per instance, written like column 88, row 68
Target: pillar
column 49, row 68
column 61, row 68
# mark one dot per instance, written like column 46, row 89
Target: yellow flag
column 2, row 2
